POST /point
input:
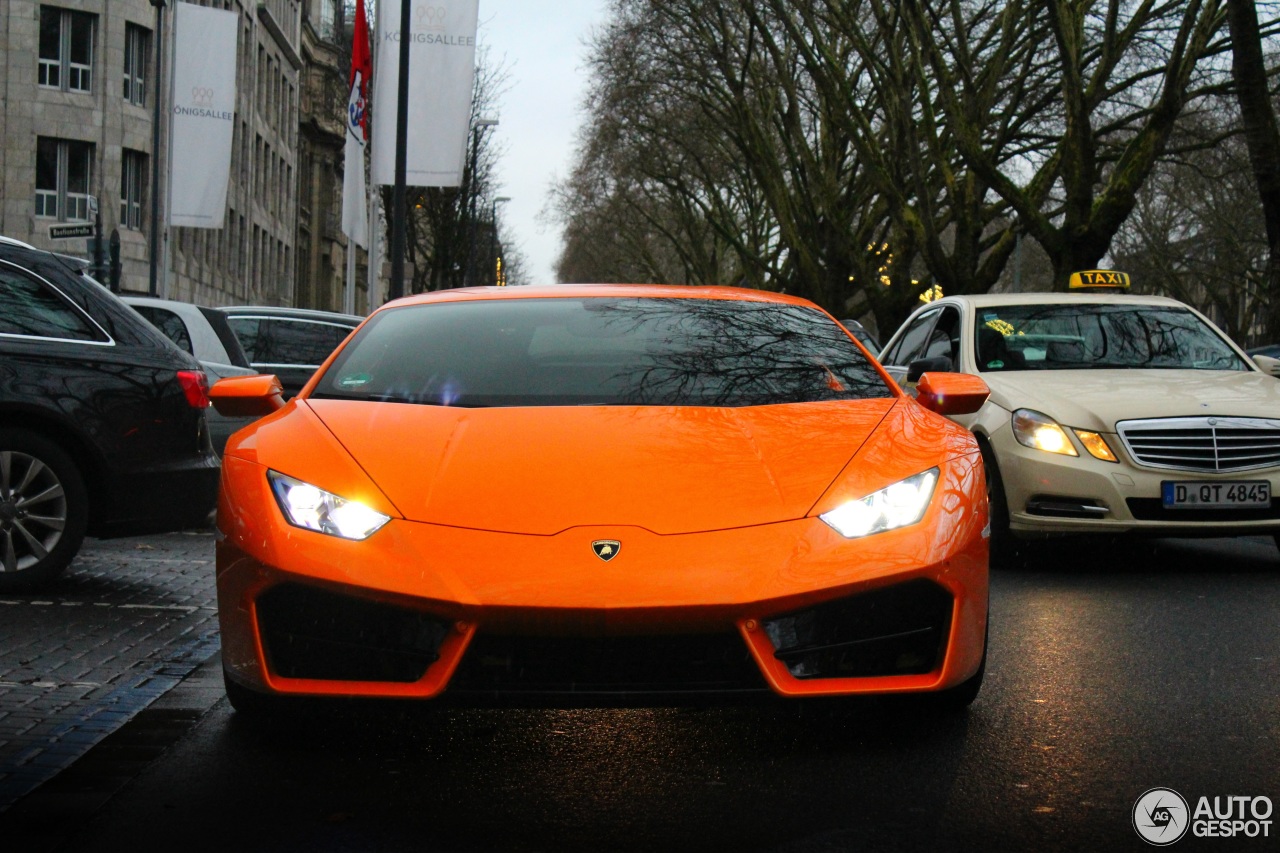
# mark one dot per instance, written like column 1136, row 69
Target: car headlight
column 1041, row 432
column 893, row 506
column 313, row 508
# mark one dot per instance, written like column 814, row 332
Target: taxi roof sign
column 1089, row 279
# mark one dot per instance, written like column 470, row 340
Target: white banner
column 442, row 66
column 202, row 115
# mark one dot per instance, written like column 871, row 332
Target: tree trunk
column 1263, row 139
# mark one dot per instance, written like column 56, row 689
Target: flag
column 203, row 114
column 355, row 217
column 442, row 67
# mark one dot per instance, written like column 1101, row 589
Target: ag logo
column 606, row 549
column 1161, row 816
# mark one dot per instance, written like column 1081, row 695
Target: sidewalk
column 129, row 620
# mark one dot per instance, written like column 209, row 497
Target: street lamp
column 154, row 288
column 494, row 260
column 477, row 129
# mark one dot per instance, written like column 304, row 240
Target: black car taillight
column 195, row 385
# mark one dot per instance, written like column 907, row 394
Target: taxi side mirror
column 244, row 396
column 1267, row 364
column 949, row 393
column 921, row 366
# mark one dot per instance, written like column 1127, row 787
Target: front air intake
column 896, row 630
column 314, row 633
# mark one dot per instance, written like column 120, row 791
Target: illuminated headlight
column 1041, row 432
column 894, row 506
column 306, row 506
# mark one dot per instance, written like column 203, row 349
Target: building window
column 131, row 183
column 328, row 18
column 66, row 49
column 64, row 172
column 137, row 41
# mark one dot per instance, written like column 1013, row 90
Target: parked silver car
column 206, row 334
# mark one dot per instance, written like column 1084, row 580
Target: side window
column 945, row 337
column 31, row 309
column 912, row 342
column 246, row 329
column 169, row 323
column 303, row 343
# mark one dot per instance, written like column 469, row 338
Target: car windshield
column 601, row 351
column 1076, row 337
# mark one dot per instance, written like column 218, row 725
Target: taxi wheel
column 1006, row 551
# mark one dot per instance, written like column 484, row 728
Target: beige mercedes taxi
column 1109, row 412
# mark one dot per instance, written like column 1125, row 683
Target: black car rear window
column 601, row 351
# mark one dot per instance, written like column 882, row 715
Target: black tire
column 956, row 699
column 44, row 510
column 1006, row 551
column 259, row 707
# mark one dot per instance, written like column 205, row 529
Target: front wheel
column 44, row 510
column 1005, row 550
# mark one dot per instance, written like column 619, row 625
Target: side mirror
column 921, row 366
column 946, row 393
column 244, row 396
column 1267, row 364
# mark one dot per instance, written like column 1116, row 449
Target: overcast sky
column 541, row 45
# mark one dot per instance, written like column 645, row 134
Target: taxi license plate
column 1220, row 495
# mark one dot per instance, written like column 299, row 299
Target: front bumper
column 422, row 610
column 1050, row 494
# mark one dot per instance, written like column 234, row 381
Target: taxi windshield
column 601, row 351
column 1088, row 337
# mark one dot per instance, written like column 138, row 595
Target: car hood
column 1097, row 399
column 544, row 470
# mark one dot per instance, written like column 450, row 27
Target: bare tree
column 1124, row 71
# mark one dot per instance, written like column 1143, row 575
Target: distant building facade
column 77, row 81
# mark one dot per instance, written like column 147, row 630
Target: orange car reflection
column 600, row 495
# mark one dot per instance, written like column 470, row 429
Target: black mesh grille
column 314, row 633
column 607, row 667
column 897, row 630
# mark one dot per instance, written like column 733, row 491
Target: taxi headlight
column 894, row 506
column 1041, row 432
column 312, row 508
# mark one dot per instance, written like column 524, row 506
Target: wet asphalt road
column 1113, row 669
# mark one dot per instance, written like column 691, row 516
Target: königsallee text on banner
column 355, row 216
column 202, row 114
column 442, row 64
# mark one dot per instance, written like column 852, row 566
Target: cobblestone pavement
column 128, row 621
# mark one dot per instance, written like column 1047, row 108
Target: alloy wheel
column 33, row 510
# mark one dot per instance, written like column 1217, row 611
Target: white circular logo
column 1161, row 816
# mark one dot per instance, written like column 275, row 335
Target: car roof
column 573, row 291
column 297, row 313
column 984, row 300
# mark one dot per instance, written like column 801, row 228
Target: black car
column 206, row 334
column 289, row 342
column 102, row 420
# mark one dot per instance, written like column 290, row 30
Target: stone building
column 77, row 80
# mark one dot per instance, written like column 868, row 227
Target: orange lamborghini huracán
column 601, row 494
